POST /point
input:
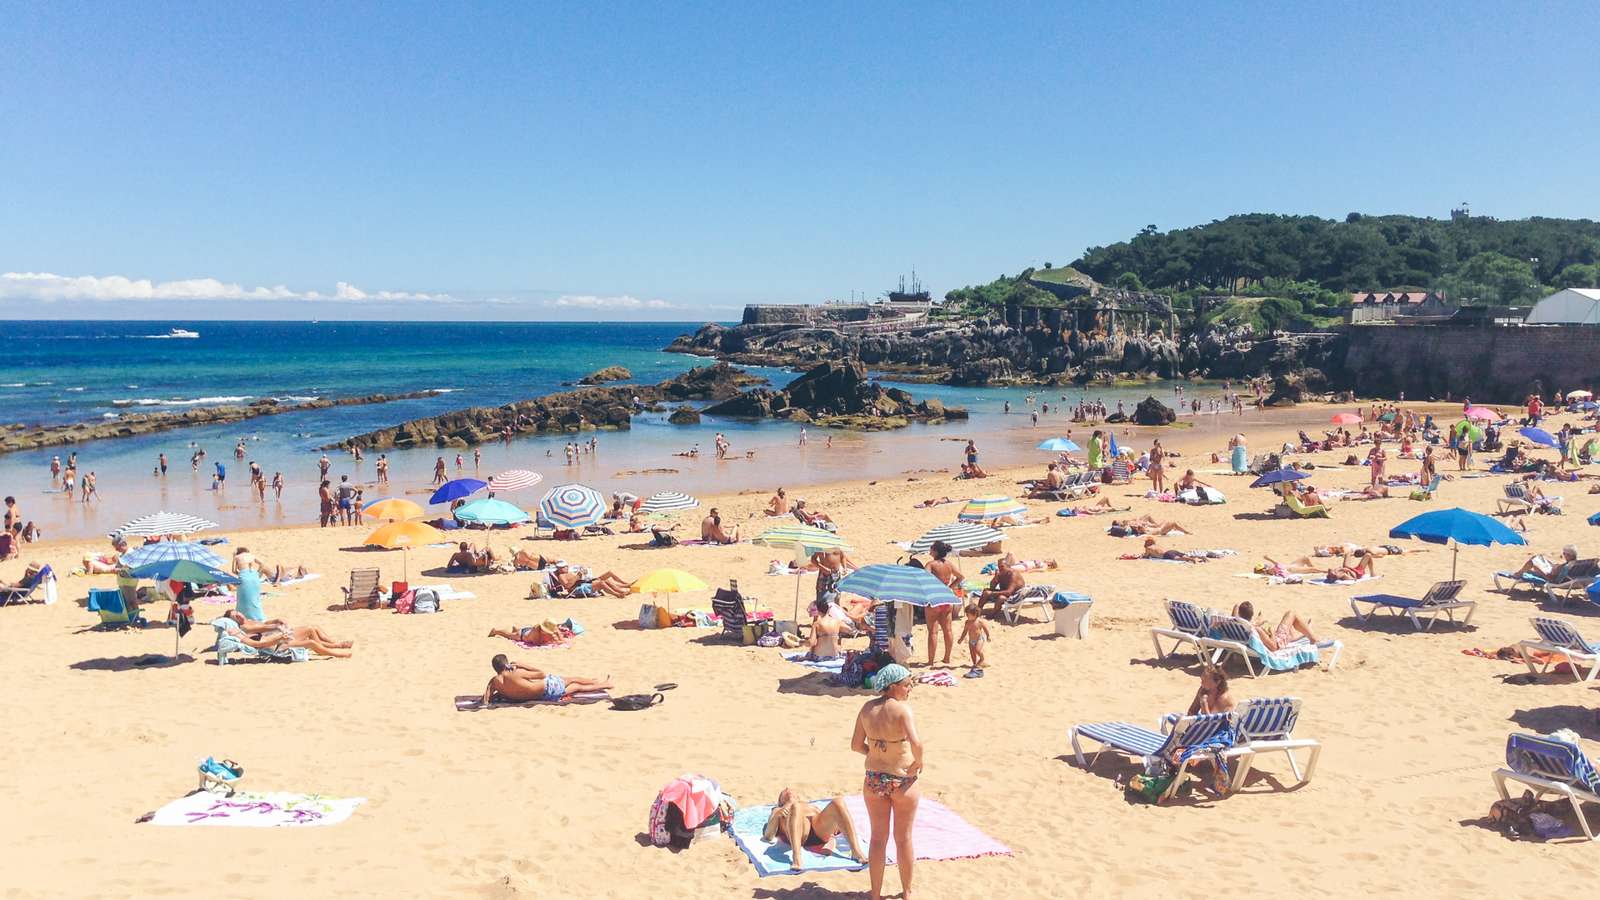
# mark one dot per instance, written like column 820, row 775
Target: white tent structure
column 1573, row 306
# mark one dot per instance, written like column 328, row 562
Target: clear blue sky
column 641, row 160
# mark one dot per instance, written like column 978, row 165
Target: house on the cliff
column 1383, row 306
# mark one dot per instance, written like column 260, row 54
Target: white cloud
column 45, row 286
column 590, row 301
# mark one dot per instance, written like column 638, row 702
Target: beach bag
column 647, row 616
column 636, row 702
column 425, row 600
column 403, row 606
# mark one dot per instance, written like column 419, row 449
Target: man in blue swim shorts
column 516, row 682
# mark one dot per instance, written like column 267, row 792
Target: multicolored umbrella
column 808, row 537
column 164, row 551
column 457, row 489
column 513, row 480
column 986, row 509
column 392, row 509
column 489, row 511
column 667, row 501
column 902, row 584
column 571, row 506
column 163, row 523
column 959, row 535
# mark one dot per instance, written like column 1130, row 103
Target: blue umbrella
column 906, row 584
column 455, row 490
column 171, row 550
column 1459, row 525
column 1594, row 519
column 183, row 570
column 1538, row 436
column 1114, row 449
column 489, row 511
column 1278, row 476
column 1058, row 445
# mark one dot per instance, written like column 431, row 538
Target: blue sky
column 647, row 161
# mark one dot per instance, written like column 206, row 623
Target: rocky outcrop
column 716, row 382
column 1151, row 411
column 684, row 415
column 24, row 437
column 609, row 373
column 836, row 394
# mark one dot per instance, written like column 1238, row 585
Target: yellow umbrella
column 403, row 536
column 667, row 581
column 393, row 509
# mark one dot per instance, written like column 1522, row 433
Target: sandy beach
column 553, row 801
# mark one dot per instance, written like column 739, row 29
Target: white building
column 1573, row 306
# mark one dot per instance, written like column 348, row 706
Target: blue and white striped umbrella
column 959, row 535
column 172, row 550
column 571, row 506
column 163, row 523
column 905, row 584
column 667, row 501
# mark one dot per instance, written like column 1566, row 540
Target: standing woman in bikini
column 886, row 734
column 940, row 618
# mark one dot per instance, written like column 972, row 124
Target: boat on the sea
column 183, row 333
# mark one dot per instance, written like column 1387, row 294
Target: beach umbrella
column 513, row 480
column 403, row 536
column 804, row 540
column 1538, row 436
column 1456, row 526
column 959, row 535
column 903, row 584
column 985, row 509
column 1482, row 414
column 1578, row 395
column 1278, row 476
column 667, row 501
column 186, row 570
column 1113, row 449
column 489, row 511
column 163, row 523
column 571, row 506
column 667, row 581
column 1346, row 419
column 392, row 509
column 1594, row 519
column 1058, row 445
column 457, row 489
column 171, row 550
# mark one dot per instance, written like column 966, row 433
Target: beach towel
column 831, row 666
column 309, row 576
column 252, row 810
column 1326, row 583
column 474, row 702
column 1293, row 656
column 938, row 834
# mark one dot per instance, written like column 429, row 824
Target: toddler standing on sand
column 976, row 633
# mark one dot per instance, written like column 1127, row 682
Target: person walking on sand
column 1376, row 458
column 886, row 734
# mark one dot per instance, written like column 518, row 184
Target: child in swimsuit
column 976, row 633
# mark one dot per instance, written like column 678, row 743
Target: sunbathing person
column 93, row 563
column 274, row 634
column 823, row 644
column 1143, row 525
column 932, row 502
column 516, row 682
column 815, row 828
column 568, row 583
column 1345, row 572
column 1212, row 695
column 1098, row 507
column 712, row 532
column 466, row 559
column 778, row 505
column 525, row 634
column 1309, row 497
column 1545, row 568
column 1291, row 628
column 1006, row 583
column 1047, row 489
column 1370, row 492
column 1153, row 551
column 814, row 519
column 528, row 562
column 1026, row 565
column 1188, row 483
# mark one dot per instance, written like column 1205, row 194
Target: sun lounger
column 1188, row 625
column 729, row 606
column 1426, row 492
column 1516, row 501
column 1559, row 638
column 1132, row 740
column 113, row 609
column 1574, row 583
column 1037, row 595
column 1549, row 766
column 228, row 645
column 1121, row 471
column 1303, row 511
column 1441, row 598
column 1266, row 725
column 1230, row 636
column 363, row 592
column 43, row 577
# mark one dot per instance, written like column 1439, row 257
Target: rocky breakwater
column 837, row 395
column 566, row 411
column 34, row 437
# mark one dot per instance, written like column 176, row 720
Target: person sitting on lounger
column 1291, row 628
column 1153, row 551
column 93, row 563
column 1547, row 569
column 1143, row 525
column 778, row 505
column 568, row 583
column 712, row 532
column 1053, row 483
column 823, row 644
column 1006, row 583
column 1309, row 497
column 307, row 636
column 814, row 519
column 815, row 828
column 516, row 682
column 1213, row 695
column 1345, row 572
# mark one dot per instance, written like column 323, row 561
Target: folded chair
column 1266, row 725
column 1132, row 740
column 1549, row 766
column 1559, row 638
column 363, row 592
column 1121, row 471
column 42, row 577
column 1229, row 635
column 1188, row 626
column 1441, row 598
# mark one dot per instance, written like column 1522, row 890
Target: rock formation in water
column 837, row 394
column 609, row 373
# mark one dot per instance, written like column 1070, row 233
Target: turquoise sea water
column 54, row 372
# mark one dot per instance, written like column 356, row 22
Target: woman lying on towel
column 1098, row 507
column 1010, row 561
column 275, row 634
column 1151, row 551
column 1291, row 628
column 1143, row 525
column 815, row 828
column 516, row 682
column 1345, row 573
column 567, row 583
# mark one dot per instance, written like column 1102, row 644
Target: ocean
column 58, row 372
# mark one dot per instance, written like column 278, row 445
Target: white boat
column 183, row 333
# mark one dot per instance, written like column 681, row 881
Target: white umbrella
column 514, row 480
column 162, row 523
column 959, row 535
column 667, row 501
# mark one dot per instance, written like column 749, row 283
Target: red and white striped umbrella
column 514, row 480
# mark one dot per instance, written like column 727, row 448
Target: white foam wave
column 197, row 401
column 15, row 384
column 76, row 390
column 442, row 390
column 293, row 399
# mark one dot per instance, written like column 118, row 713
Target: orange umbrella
column 403, row 536
column 392, row 508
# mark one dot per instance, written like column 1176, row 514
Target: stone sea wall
column 1493, row 365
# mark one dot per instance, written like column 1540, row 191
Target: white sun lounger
column 1560, row 638
column 1549, row 766
column 1440, row 599
column 1188, row 624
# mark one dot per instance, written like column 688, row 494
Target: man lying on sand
column 1143, row 525
column 815, row 828
column 516, row 682
column 1152, row 551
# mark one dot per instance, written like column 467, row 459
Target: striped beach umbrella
column 903, row 584
column 165, row 551
column 163, row 523
column 985, row 509
column 489, row 511
column 959, row 535
column 571, row 506
column 513, row 480
column 667, row 501
column 808, row 537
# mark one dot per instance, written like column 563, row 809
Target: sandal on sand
column 973, row 673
